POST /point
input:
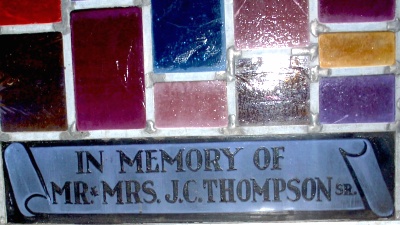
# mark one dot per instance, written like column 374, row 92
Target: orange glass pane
column 357, row 49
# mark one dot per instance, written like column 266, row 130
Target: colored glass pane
column 191, row 104
column 107, row 47
column 29, row 12
column 342, row 11
column 32, row 89
column 357, row 49
column 188, row 35
column 271, row 23
column 359, row 99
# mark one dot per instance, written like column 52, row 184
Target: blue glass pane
column 188, row 35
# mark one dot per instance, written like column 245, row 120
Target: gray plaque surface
column 215, row 177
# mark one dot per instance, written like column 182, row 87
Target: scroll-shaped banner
column 216, row 177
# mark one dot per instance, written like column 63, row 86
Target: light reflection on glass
column 272, row 91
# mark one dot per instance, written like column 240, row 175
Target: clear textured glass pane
column 272, row 91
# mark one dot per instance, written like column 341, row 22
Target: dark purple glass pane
column 32, row 89
column 338, row 11
column 361, row 99
column 272, row 91
column 107, row 48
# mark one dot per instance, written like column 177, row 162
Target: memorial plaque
column 246, row 176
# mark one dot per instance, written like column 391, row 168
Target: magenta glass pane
column 107, row 50
column 272, row 91
column 339, row 11
column 32, row 92
column 271, row 23
column 360, row 99
column 191, row 104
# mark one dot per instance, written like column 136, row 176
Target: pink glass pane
column 191, row 104
column 107, row 52
column 271, row 23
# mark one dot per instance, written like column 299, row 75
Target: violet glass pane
column 107, row 48
column 270, row 23
column 191, row 104
column 361, row 99
column 32, row 89
column 340, row 11
column 188, row 35
column 272, row 92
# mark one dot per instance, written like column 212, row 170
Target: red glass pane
column 29, row 12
